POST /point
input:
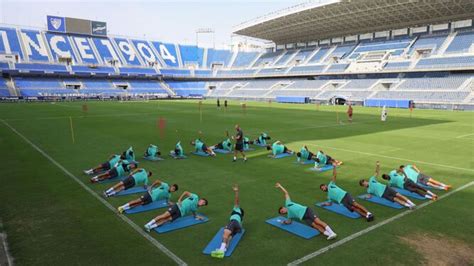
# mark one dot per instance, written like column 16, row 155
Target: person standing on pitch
column 383, row 116
column 349, row 113
column 239, row 143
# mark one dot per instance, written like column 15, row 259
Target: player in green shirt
column 111, row 162
column 417, row 176
column 223, row 145
column 139, row 177
column 120, row 170
column 323, row 159
column 278, row 148
column 380, row 190
column 152, row 152
column 400, row 180
column 299, row 212
column 247, row 143
column 200, row 146
column 158, row 190
column 178, row 151
column 233, row 227
column 305, row 155
column 129, row 154
column 182, row 208
column 262, row 139
column 340, row 196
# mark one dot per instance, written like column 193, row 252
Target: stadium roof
column 319, row 20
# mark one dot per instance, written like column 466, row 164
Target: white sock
column 411, row 203
column 407, row 205
column 151, row 224
column 126, row 206
column 111, row 193
column 235, row 158
column 328, row 229
column 428, row 196
column 326, row 233
column 223, row 248
column 109, row 190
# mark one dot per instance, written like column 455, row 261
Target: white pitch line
column 462, row 136
column 396, row 158
column 373, row 227
column 103, row 201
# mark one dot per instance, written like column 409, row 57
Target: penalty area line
column 373, row 227
column 138, row 229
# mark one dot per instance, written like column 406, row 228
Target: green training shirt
column 411, row 173
column 277, row 148
column 161, row 192
column 295, row 210
column 335, row 193
column 188, row 205
column 396, row 180
column 375, row 187
column 236, row 217
column 141, row 177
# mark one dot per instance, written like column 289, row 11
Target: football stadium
column 338, row 133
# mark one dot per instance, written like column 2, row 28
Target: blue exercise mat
column 110, row 180
column 222, row 151
column 152, row 206
column 295, row 228
column 339, row 209
column 410, row 194
column 325, row 168
column 154, row 159
column 381, row 201
column 178, row 157
column 305, row 162
column 249, row 149
column 180, row 223
column 281, row 155
column 133, row 190
column 201, row 153
column 217, row 240
column 260, row 145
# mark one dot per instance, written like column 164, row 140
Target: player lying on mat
column 233, row 227
column 247, row 143
column 139, row 177
column 182, row 208
column 415, row 175
column 323, row 159
column 278, row 148
column 340, row 196
column 400, row 180
column 262, row 139
column 119, row 170
column 223, row 145
column 178, row 150
column 305, row 155
column 129, row 154
column 159, row 190
column 152, row 151
column 383, row 191
column 111, row 162
column 200, row 146
column 303, row 213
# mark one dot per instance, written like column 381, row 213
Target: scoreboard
column 76, row 26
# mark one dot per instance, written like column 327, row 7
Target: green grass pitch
column 50, row 219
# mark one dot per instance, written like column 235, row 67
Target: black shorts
column 239, row 146
column 423, row 179
column 285, row 149
column 310, row 156
column 410, row 185
column 220, row 146
column 113, row 172
column 234, row 227
column 105, row 166
column 389, row 194
column 146, row 198
column 309, row 216
column 128, row 182
column 348, row 202
column 204, row 148
column 329, row 159
column 175, row 212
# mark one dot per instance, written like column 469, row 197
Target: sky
column 164, row 20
